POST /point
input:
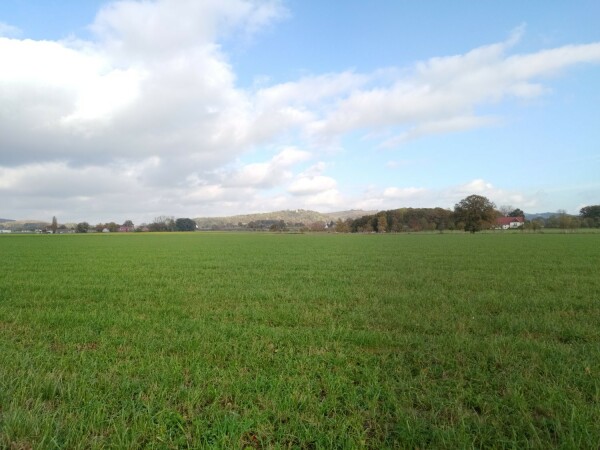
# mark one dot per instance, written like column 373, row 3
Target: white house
column 507, row 223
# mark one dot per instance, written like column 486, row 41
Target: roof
column 509, row 220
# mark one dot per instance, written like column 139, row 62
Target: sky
column 116, row 110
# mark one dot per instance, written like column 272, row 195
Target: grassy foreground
column 300, row 341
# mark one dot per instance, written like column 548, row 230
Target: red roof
column 509, row 220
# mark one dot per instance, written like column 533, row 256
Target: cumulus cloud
column 307, row 185
column 497, row 195
column 7, row 30
column 147, row 116
column 268, row 174
column 403, row 193
column 394, row 197
column 442, row 94
column 153, row 83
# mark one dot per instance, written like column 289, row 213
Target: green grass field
column 300, row 341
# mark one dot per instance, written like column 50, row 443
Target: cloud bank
column 147, row 119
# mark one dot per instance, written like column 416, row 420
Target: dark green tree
column 590, row 215
column 475, row 212
column 279, row 226
column 185, row 224
column 54, row 225
column 82, row 227
column 516, row 213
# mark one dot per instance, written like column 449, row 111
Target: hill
column 544, row 215
column 23, row 225
column 295, row 216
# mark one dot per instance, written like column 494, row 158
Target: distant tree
column 551, row 222
column 476, row 212
column 367, row 227
column 278, row 226
column 54, row 225
column 82, row 227
column 382, row 223
column 505, row 210
column 516, row 213
column 185, row 224
column 564, row 220
column 317, row 226
column 341, row 226
column 590, row 215
column 112, row 227
column 128, row 223
column 163, row 223
column 535, row 224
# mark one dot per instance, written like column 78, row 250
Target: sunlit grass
column 300, row 341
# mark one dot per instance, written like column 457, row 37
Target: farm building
column 506, row 223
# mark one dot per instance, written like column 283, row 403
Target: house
column 507, row 223
column 125, row 229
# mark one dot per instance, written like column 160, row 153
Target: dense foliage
column 475, row 213
column 590, row 215
column 185, row 224
column 405, row 219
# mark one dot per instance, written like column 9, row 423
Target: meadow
column 308, row 341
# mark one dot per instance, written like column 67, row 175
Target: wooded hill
column 27, row 225
column 291, row 217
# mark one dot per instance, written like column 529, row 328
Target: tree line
column 161, row 223
column 473, row 213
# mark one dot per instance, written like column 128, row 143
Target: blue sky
column 130, row 110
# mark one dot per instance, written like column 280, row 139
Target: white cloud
column 477, row 186
column 148, row 116
column 7, row 30
column 311, row 185
column 326, row 200
column 60, row 180
column 420, row 197
column 395, row 193
column 155, row 83
column 268, row 174
column 442, row 94
column 496, row 195
column 156, row 30
column 444, row 126
column 310, row 90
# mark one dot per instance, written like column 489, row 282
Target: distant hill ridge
column 31, row 224
column 289, row 216
column 544, row 215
